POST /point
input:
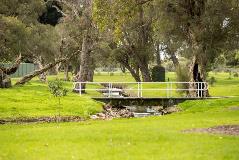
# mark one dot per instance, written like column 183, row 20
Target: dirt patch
column 225, row 129
column 43, row 119
column 236, row 108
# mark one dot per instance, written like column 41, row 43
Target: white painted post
column 109, row 89
column 138, row 90
column 141, row 89
column 167, row 90
column 198, row 89
column 80, row 88
column 171, row 89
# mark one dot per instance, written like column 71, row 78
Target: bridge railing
column 140, row 89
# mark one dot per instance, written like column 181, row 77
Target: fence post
column 80, row 89
column 171, row 89
column 138, row 90
column 198, row 88
column 141, row 89
column 167, row 90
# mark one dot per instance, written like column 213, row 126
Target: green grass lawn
column 136, row 138
column 34, row 100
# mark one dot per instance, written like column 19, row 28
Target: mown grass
column 35, row 100
column 141, row 139
column 137, row 138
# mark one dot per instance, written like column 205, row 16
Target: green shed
column 24, row 69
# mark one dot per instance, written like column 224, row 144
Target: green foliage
column 56, row 88
column 235, row 75
column 14, row 38
column 35, row 100
column 158, row 74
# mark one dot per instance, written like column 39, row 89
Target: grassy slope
column 34, row 100
column 145, row 138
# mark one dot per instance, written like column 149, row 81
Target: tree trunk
column 123, row 69
column 28, row 77
column 82, row 75
column 134, row 73
column 145, row 72
column 5, row 80
column 174, row 60
column 66, row 71
column 54, row 70
column 42, row 77
column 158, row 56
column 90, row 75
column 143, row 42
column 197, row 74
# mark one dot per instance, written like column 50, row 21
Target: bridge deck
column 118, row 101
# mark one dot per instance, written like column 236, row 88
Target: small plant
column 111, row 73
column 58, row 91
column 230, row 76
column 235, row 75
column 212, row 80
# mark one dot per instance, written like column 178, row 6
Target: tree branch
column 28, row 77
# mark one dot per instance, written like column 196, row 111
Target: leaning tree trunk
column 28, row 77
column 134, row 73
column 5, row 80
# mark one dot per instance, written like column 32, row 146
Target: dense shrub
column 158, row 74
column 235, row 75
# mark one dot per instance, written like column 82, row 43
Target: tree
column 207, row 27
column 131, row 25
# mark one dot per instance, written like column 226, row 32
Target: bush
column 235, row 75
column 212, row 80
column 56, row 88
column 111, row 73
column 158, row 74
